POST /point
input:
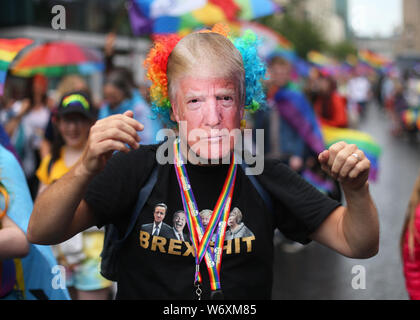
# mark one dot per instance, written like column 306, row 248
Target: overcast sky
column 375, row 17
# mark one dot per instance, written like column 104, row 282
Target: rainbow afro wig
column 157, row 61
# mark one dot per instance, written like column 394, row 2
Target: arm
column 351, row 231
column 11, row 126
column 13, row 243
column 42, row 187
column 51, row 224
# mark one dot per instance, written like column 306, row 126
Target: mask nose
column 211, row 113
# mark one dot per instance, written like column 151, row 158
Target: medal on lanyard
column 217, row 225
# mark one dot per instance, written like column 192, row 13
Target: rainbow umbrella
column 373, row 59
column 362, row 140
column 58, row 58
column 165, row 17
column 9, row 48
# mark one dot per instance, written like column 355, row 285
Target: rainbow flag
column 324, row 63
column 9, row 48
column 320, row 59
column 270, row 41
column 373, row 59
column 364, row 142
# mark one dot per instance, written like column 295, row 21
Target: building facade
column 409, row 42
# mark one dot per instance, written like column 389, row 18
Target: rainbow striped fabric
column 57, row 58
column 270, row 41
column 411, row 118
column 320, row 59
column 201, row 238
column 373, row 59
column 183, row 16
column 9, row 48
column 364, row 142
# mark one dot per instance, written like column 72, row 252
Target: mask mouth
column 214, row 136
column 213, row 139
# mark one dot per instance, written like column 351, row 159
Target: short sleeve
column 299, row 207
column 112, row 194
column 42, row 171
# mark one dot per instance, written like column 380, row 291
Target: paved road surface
column 317, row 272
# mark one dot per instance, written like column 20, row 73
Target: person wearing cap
column 75, row 116
column 80, row 254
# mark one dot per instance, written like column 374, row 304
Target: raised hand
column 346, row 163
column 107, row 135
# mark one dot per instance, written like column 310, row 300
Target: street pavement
column 316, row 272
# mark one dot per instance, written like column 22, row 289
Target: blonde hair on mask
column 213, row 53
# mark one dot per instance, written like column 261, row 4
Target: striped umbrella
column 9, row 48
column 58, row 58
column 183, row 16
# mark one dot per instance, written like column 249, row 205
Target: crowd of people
column 66, row 146
column 47, row 131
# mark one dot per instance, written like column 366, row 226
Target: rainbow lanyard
column 200, row 237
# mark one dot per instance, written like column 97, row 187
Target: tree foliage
column 304, row 34
column 342, row 50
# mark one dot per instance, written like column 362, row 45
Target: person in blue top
column 121, row 95
column 36, row 274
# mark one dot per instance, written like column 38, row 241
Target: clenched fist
column 346, row 163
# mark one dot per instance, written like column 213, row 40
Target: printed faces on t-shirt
column 170, row 234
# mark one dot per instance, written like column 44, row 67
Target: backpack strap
column 264, row 194
column 144, row 194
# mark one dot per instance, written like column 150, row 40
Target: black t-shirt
column 162, row 266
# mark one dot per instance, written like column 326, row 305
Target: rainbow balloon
column 364, row 142
column 9, row 48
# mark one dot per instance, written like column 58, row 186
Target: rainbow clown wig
column 243, row 63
